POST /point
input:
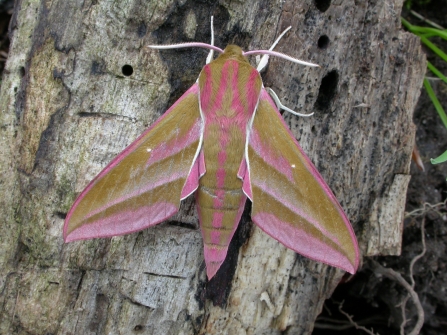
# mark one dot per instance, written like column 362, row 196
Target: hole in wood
column 127, row 70
column 327, row 91
column 61, row 215
column 323, row 42
column 322, row 5
column 138, row 328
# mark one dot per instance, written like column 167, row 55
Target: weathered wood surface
column 67, row 109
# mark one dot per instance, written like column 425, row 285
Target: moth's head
column 233, row 52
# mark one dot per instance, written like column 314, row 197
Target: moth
column 225, row 141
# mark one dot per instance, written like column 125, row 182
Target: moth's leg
column 265, row 59
column 280, row 106
column 211, row 54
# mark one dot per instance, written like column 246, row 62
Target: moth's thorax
column 229, row 86
column 229, row 91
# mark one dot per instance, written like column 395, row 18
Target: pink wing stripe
column 266, row 189
column 244, row 174
column 140, row 190
column 124, row 222
column 307, row 244
column 167, row 149
column 277, row 161
column 192, row 183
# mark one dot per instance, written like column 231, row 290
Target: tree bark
column 69, row 106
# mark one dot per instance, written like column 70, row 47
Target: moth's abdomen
column 220, row 199
column 219, row 212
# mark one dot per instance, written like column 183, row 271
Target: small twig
column 403, row 312
column 427, row 207
column 418, row 257
column 340, row 306
column 413, row 261
column 340, row 327
column 328, row 311
column 420, row 17
column 335, row 324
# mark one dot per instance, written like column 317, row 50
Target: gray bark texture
column 68, row 106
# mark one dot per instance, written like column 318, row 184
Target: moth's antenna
column 186, row 45
column 210, row 47
column 211, row 54
column 265, row 59
column 266, row 53
column 280, row 55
